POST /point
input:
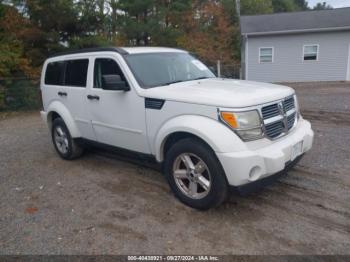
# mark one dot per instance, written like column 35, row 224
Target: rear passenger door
column 75, row 82
column 67, row 81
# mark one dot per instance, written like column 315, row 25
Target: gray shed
column 297, row 47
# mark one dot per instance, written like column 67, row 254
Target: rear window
column 76, row 72
column 54, row 73
column 67, row 73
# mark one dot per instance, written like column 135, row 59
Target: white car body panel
column 198, row 120
column 59, row 108
column 220, row 92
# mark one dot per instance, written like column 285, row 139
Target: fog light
column 255, row 173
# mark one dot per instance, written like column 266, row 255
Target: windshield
column 159, row 69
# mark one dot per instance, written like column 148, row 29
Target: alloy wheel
column 192, row 175
column 61, row 140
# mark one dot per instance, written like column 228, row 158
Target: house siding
column 288, row 64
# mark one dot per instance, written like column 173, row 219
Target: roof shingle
column 296, row 21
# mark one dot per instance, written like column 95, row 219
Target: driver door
column 117, row 117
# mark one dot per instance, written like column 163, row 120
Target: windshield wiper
column 174, row 82
column 202, row 77
column 185, row 80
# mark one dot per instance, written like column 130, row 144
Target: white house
column 296, row 47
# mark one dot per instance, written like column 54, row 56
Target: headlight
column 246, row 124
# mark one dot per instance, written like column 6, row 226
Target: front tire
column 63, row 142
column 195, row 175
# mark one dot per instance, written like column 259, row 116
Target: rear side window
column 54, row 73
column 76, row 72
column 67, row 73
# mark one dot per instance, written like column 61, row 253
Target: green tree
column 156, row 22
column 289, row 5
column 137, row 20
column 87, row 20
column 209, row 32
column 56, row 18
column 302, row 5
column 284, row 6
column 13, row 28
column 55, row 23
column 113, row 19
column 229, row 7
column 14, row 61
column 256, row 7
column 322, row 6
column 170, row 21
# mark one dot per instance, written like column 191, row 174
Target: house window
column 266, row 55
column 310, row 52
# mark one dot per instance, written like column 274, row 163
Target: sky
column 334, row 3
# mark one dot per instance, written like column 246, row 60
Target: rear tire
column 195, row 175
column 63, row 142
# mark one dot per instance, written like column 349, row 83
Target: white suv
column 208, row 133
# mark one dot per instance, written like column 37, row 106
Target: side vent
column 153, row 103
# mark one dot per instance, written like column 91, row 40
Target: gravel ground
column 102, row 205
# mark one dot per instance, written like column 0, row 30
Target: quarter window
column 54, row 73
column 76, row 72
column 310, row 52
column 266, row 55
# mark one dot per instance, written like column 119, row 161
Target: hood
column 220, row 92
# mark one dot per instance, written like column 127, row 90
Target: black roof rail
column 91, row 50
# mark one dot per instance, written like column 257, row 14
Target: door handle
column 62, row 94
column 91, row 97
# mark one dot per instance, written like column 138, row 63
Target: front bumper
column 255, row 186
column 265, row 158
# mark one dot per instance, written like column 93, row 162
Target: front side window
column 54, row 73
column 266, row 55
column 159, row 69
column 310, row 52
column 76, row 72
column 106, row 67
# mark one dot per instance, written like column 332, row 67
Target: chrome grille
column 274, row 130
column 270, row 111
column 288, row 104
column 279, row 118
column 291, row 121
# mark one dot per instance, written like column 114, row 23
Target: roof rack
column 92, row 50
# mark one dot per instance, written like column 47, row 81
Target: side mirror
column 114, row 82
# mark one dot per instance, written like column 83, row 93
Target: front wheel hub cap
column 61, row 140
column 192, row 176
